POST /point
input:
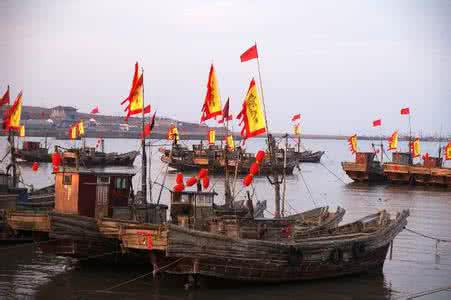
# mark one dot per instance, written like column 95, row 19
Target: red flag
column 226, row 116
column 5, row 98
column 95, row 110
column 296, row 117
column 405, row 111
column 377, row 123
column 149, row 127
column 249, row 54
column 147, row 109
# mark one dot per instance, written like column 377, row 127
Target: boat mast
column 143, row 148
column 13, row 156
column 227, row 192
column 271, row 149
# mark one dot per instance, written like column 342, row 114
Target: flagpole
column 271, row 149
column 382, row 146
column 410, row 141
column 143, row 146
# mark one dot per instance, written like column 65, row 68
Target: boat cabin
column 432, row 162
column 31, row 146
column 192, row 209
column 364, row 157
column 402, row 158
column 91, row 193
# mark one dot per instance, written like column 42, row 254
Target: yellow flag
column 252, row 115
column 211, row 136
column 81, row 128
column 416, row 148
column 15, row 113
column 393, row 141
column 136, row 99
column 22, row 131
column 73, row 132
column 448, row 152
column 230, row 143
column 352, row 141
column 212, row 103
column 173, row 132
column 297, row 129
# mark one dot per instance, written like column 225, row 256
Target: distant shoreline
column 61, row 134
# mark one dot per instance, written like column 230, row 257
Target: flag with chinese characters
column 448, row 151
column 73, row 132
column 252, row 117
column 393, row 141
column 135, row 101
column 211, row 136
column 352, row 141
column 416, row 148
column 13, row 114
column 230, row 143
column 212, row 103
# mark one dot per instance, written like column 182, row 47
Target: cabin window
column 67, row 180
column 103, row 179
column 121, row 183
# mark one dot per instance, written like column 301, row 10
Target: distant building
column 67, row 113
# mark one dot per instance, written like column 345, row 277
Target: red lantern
column 248, row 179
column 179, row 178
column 254, row 168
column 202, row 173
column 260, row 156
column 56, row 168
column 179, row 188
column 35, row 166
column 56, row 159
column 205, row 182
column 192, row 181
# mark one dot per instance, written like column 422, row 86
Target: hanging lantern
column 56, row 159
column 179, row 178
column 202, row 173
column 56, row 169
column 179, row 188
column 192, row 181
column 35, row 166
column 260, row 156
column 254, row 168
column 205, row 182
column 248, row 179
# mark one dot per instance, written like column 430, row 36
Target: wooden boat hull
column 417, row 174
column 219, row 169
column 213, row 255
column 359, row 172
column 104, row 159
column 309, row 156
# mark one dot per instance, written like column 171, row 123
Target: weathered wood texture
column 344, row 250
column 28, row 221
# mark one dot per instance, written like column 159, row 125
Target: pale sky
column 341, row 64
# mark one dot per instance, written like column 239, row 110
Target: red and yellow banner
column 135, row 97
column 211, row 136
column 416, row 148
column 81, row 128
column 393, row 141
column 297, row 129
column 212, row 103
column 352, row 141
column 22, row 131
column 173, row 133
column 73, row 132
column 448, row 151
column 12, row 116
column 252, row 115
column 230, row 143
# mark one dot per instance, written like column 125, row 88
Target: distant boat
column 89, row 156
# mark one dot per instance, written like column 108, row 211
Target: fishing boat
column 365, row 168
column 212, row 157
column 354, row 248
column 89, row 156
